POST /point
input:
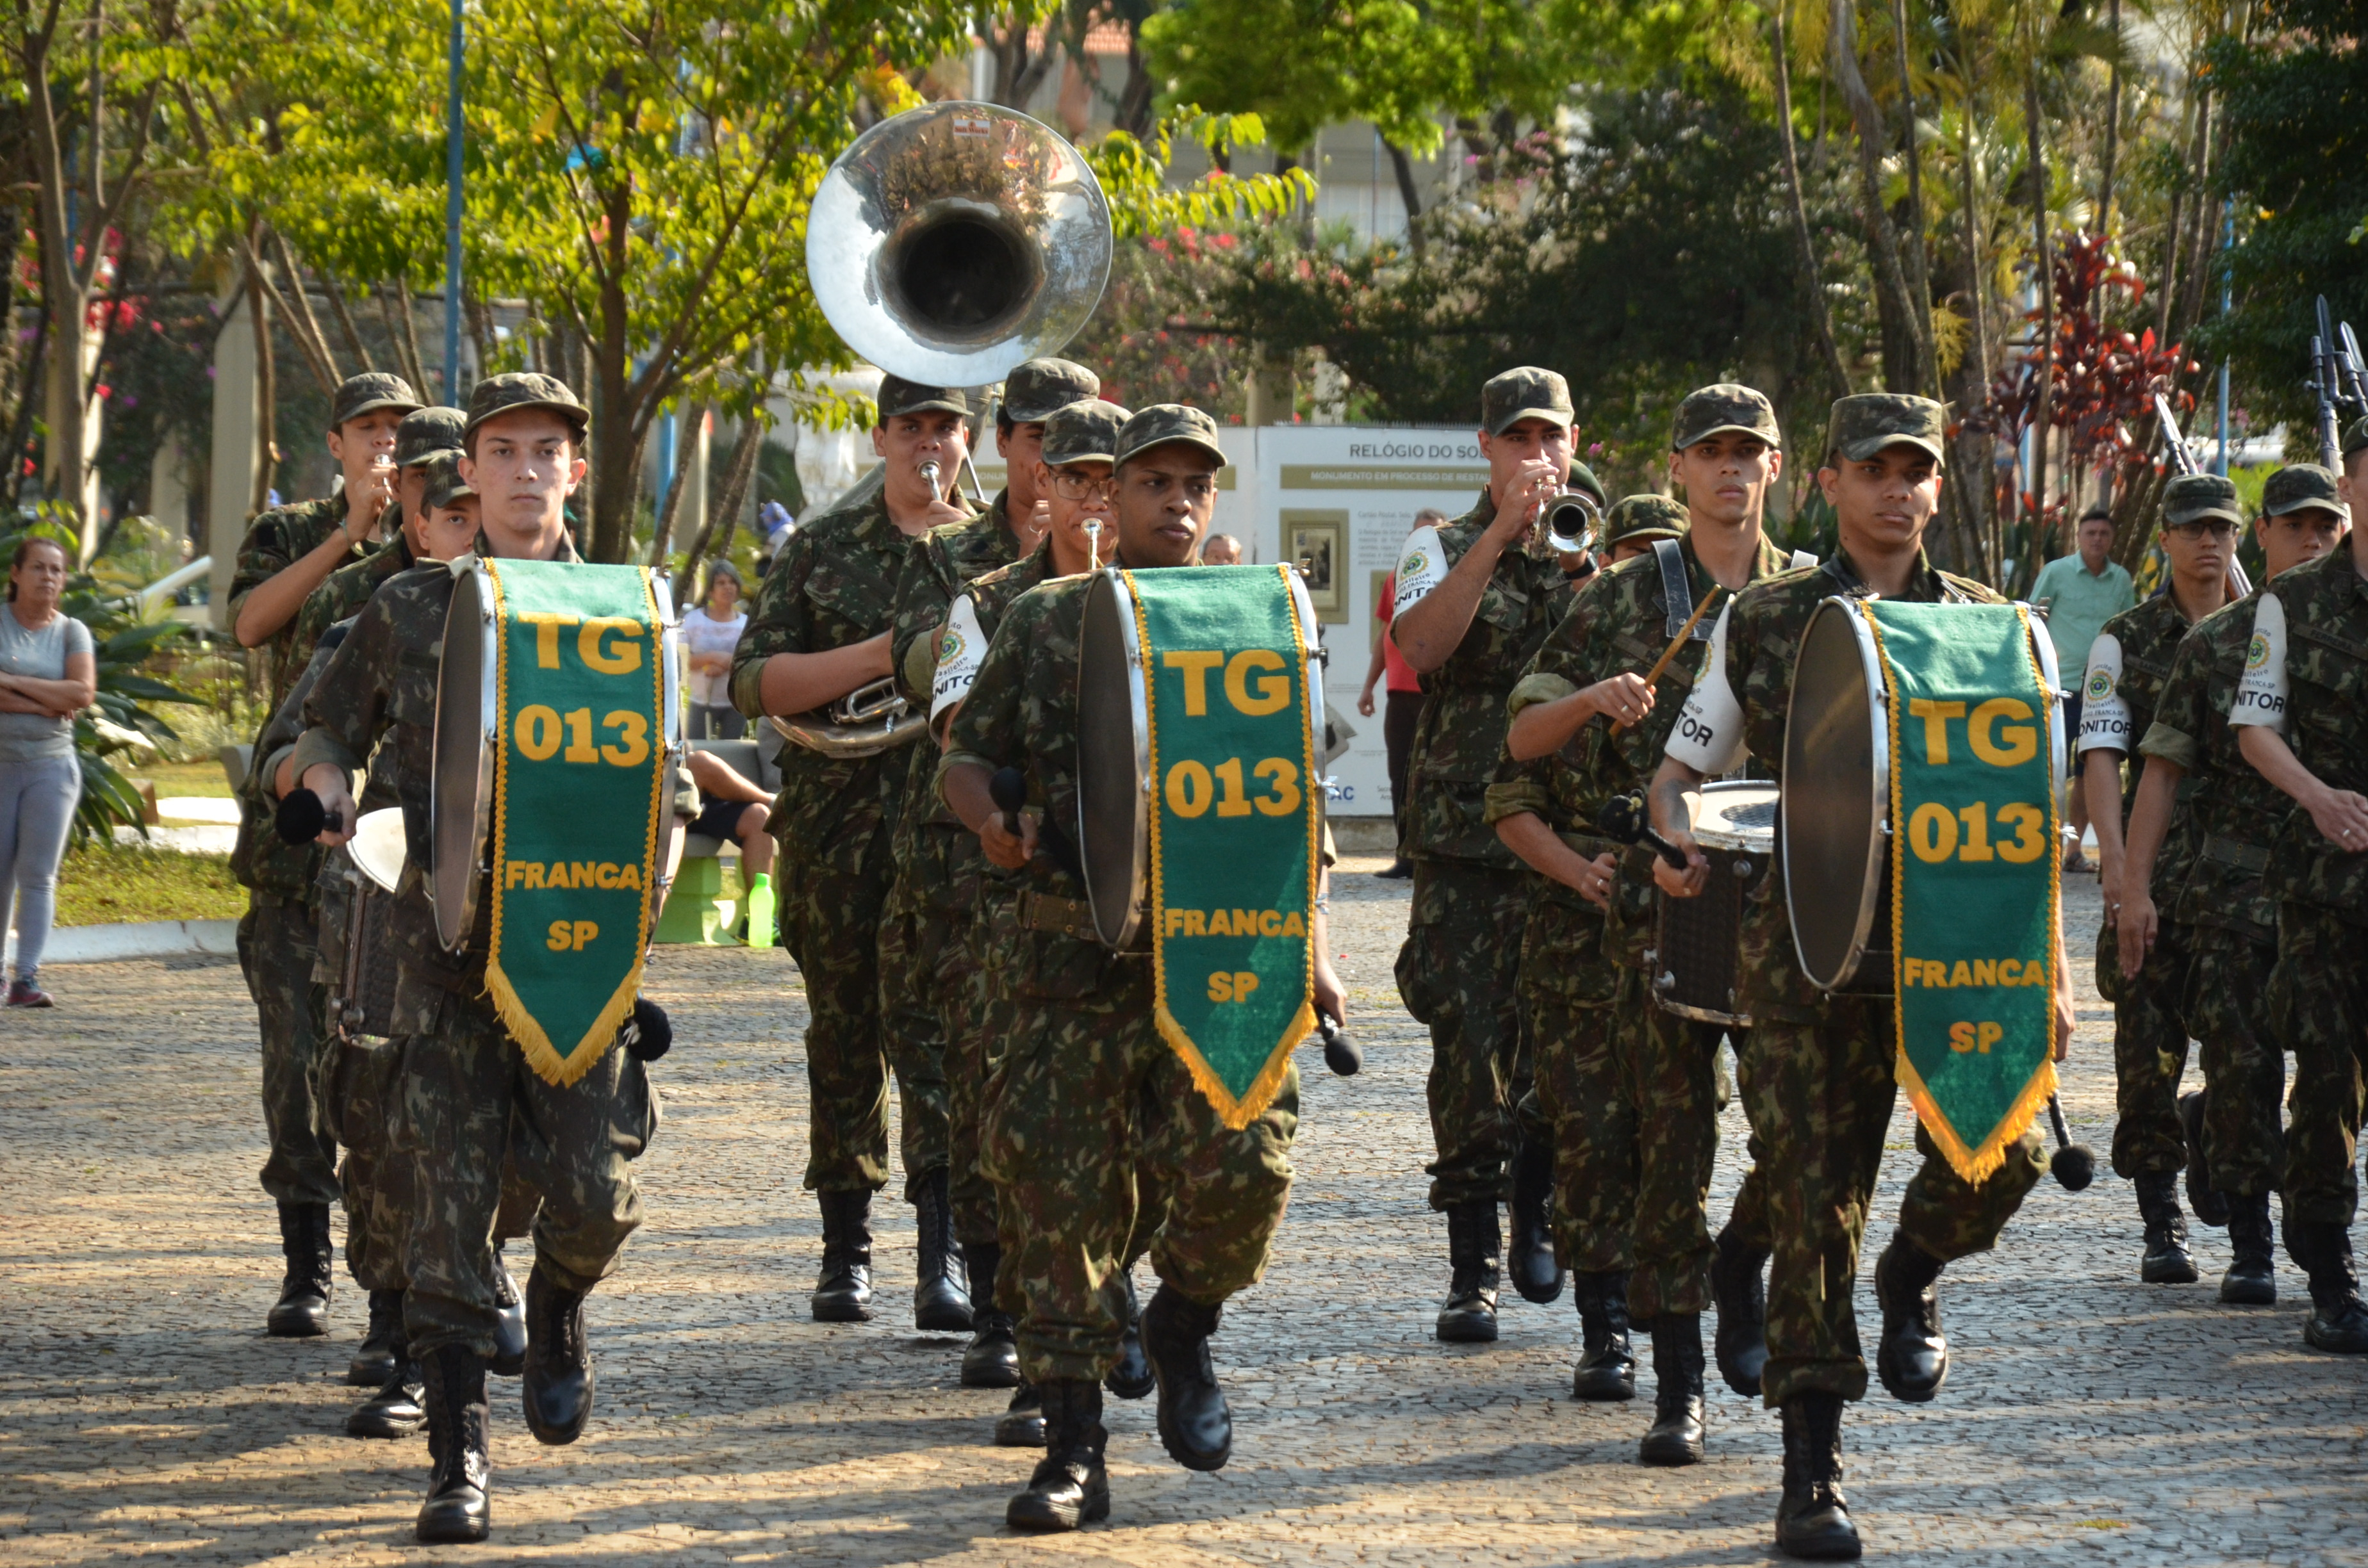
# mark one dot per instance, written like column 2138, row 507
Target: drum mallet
column 301, row 820
column 1653, row 676
column 1010, row 788
column 1623, row 818
column 1341, row 1054
column 2074, row 1164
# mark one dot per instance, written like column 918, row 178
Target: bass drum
column 1114, row 748
column 468, row 748
column 1834, row 822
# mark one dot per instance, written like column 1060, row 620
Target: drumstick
column 1675, row 643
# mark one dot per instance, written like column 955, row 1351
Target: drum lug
column 1666, row 982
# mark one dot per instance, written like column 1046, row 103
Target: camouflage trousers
column 365, row 1102
column 2244, row 1071
column 2150, row 1039
column 1634, row 1095
column 2318, row 1006
column 973, row 1048
column 1459, row 973
column 276, row 952
column 1820, row 1096
column 838, row 925
column 470, row 1103
column 1086, row 1102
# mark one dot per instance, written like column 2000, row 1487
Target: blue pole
column 666, row 460
column 2221, row 465
column 453, row 134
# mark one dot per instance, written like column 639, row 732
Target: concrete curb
column 136, row 939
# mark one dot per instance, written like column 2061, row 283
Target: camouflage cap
column 1639, row 517
column 445, row 484
column 898, row 395
column 2355, row 437
column 1583, row 478
column 2193, row 495
column 369, row 393
column 516, row 390
column 1865, row 422
column 1724, row 406
column 2299, row 487
column 1523, row 392
column 1033, row 391
column 1162, row 423
column 426, row 432
column 1085, row 431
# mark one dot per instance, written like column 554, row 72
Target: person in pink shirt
column 1404, row 689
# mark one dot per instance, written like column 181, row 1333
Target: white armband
column 2104, row 717
column 1709, row 737
column 1422, row 566
column 961, row 649
column 2261, row 694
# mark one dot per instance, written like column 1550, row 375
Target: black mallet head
column 1340, row 1053
column 1008, row 788
column 301, row 820
column 2074, row 1166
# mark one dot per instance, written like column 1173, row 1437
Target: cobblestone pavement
column 2087, row 1418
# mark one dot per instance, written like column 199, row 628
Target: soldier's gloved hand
column 649, row 1033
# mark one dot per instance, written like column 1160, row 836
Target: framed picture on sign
column 1317, row 542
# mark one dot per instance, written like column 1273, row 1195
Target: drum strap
column 1677, row 592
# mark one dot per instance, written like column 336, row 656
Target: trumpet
column 1565, row 522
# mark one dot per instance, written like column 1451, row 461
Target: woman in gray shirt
column 48, row 674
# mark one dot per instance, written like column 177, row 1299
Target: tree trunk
column 2043, row 366
column 1906, row 329
column 65, row 300
column 304, row 324
column 723, row 510
column 347, row 328
column 663, row 533
column 1812, row 274
column 1134, row 115
column 2112, row 124
column 1919, row 270
column 1403, row 166
column 267, row 391
column 405, row 335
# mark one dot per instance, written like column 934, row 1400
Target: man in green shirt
column 2079, row 593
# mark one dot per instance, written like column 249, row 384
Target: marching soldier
column 424, row 433
column 465, row 1082
column 1088, row 1093
column 1818, row 1068
column 936, row 866
column 2193, row 769
column 1633, row 1089
column 285, row 555
column 2121, row 686
column 1475, row 598
column 819, row 632
column 2297, row 712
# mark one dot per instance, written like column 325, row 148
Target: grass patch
column 105, row 885
column 200, row 779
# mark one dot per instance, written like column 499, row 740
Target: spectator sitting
column 1221, row 550
column 736, row 808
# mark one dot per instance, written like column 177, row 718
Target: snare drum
column 1697, row 957
column 358, row 926
column 1115, row 740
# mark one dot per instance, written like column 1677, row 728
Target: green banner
column 578, row 786
column 1234, row 822
column 1975, row 896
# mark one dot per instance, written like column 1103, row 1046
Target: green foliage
column 104, row 883
column 2296, row 162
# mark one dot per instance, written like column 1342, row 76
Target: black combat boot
column 375, row 1356
column 942, row 1291
column 1676, row 1436
column 1913, row 1360
column 2252, row 1277
column 991, row 1359
column 1813, row 1518
column 1529, row 1255
column 557, row 1389
column 509, row 1323
column 1195, row 1427
column 2167, row 1260
column 1022, row 1425
column 397, row 1409
column 1131, row 1376
column 1740, row 1288
column 1607, row 1366
column 2205, row 1200
column 844, row 1292
column 1069, row 1486
column 459, row 1489
column 302, row 1309
column 2337, row 1320
column 1470, row 1315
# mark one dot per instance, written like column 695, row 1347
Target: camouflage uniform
column 836, row 819
column 2306, row 677
column 2231, row 815
column 2123, row 688
column 1632, row 1088
column 1459, row 971
column 1816, row 1068
column 923, row 958
column 1088, row 1097
column 466, row 1101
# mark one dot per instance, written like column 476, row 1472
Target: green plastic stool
column 695, row 915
